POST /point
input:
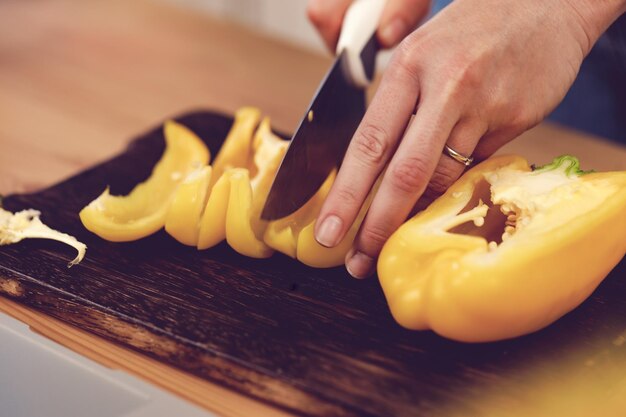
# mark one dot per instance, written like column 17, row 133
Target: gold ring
column 465, row 160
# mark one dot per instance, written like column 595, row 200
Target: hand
column 399, row 18
column 476, row 76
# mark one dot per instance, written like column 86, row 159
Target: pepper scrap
column 26, row 224
column 210, row 204
column 507, row 250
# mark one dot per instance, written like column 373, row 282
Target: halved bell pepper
column 143, row 211
column 506, row 250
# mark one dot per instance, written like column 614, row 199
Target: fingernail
column 329, row 231
column 393, row 32
column 359, row 265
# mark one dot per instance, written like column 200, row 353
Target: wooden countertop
column 79, row 79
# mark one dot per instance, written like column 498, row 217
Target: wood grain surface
column 310, row 341
column 80, row 79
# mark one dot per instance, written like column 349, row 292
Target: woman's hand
column 399, row 18
column 476, row 76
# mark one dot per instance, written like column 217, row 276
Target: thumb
column 327, row 17
column 400, row 18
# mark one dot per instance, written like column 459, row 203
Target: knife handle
column 358, row 39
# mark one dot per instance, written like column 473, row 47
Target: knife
column 331, row 119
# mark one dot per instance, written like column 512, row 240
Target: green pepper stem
column 569, row 164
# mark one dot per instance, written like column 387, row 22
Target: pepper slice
column 244, row 226
column 144, row 210
column 233, row 209
column 295, row 234
column 183, row 216
column 240, row 230
column 283, row 234
column 236, row 151
column 506, row 250
column 209, row 204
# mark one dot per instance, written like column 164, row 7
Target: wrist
column 594, row 17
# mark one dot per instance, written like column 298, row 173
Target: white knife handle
column 359, row 24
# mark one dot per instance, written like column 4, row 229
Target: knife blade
column 328, row 124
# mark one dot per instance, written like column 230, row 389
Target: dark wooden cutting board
column 312, row 341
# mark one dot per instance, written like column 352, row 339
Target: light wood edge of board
column 212, row 397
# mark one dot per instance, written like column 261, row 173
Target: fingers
column 399, row 19
column 404, row 181
column 493, row 141
column 327, row 17
column 463, row 139
column 373, row 143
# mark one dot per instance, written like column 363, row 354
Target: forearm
column 594, row 17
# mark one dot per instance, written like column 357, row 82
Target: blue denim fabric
column 596, row 103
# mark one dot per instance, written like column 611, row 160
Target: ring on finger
column 465, row 160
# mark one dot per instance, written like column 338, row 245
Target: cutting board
column 311, row 341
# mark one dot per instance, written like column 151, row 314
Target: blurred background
column 92, row 74
column 589, row 106
column 285, row 19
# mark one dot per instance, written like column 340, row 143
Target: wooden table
column 79, row 79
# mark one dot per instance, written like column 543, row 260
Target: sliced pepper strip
column 283, row 234
column 295, row 234
column 213, row 221
column 236, row 151
column 311, row 253
column 240, row 234
column 243, row 227
column 143, row 211
column 224, row 202
column 505, row 251
column 183, row 217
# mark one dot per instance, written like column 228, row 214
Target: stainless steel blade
column 319, row 143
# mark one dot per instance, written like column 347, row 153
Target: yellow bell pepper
column 202, row 205
column 506, row 250
column 244, row 226
column 213, row 220
column 295, row 234
column 144, row 210
column 283, row 234
column 236, row 151
column 183, row 216
column 232, row 210
column 240, row 233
